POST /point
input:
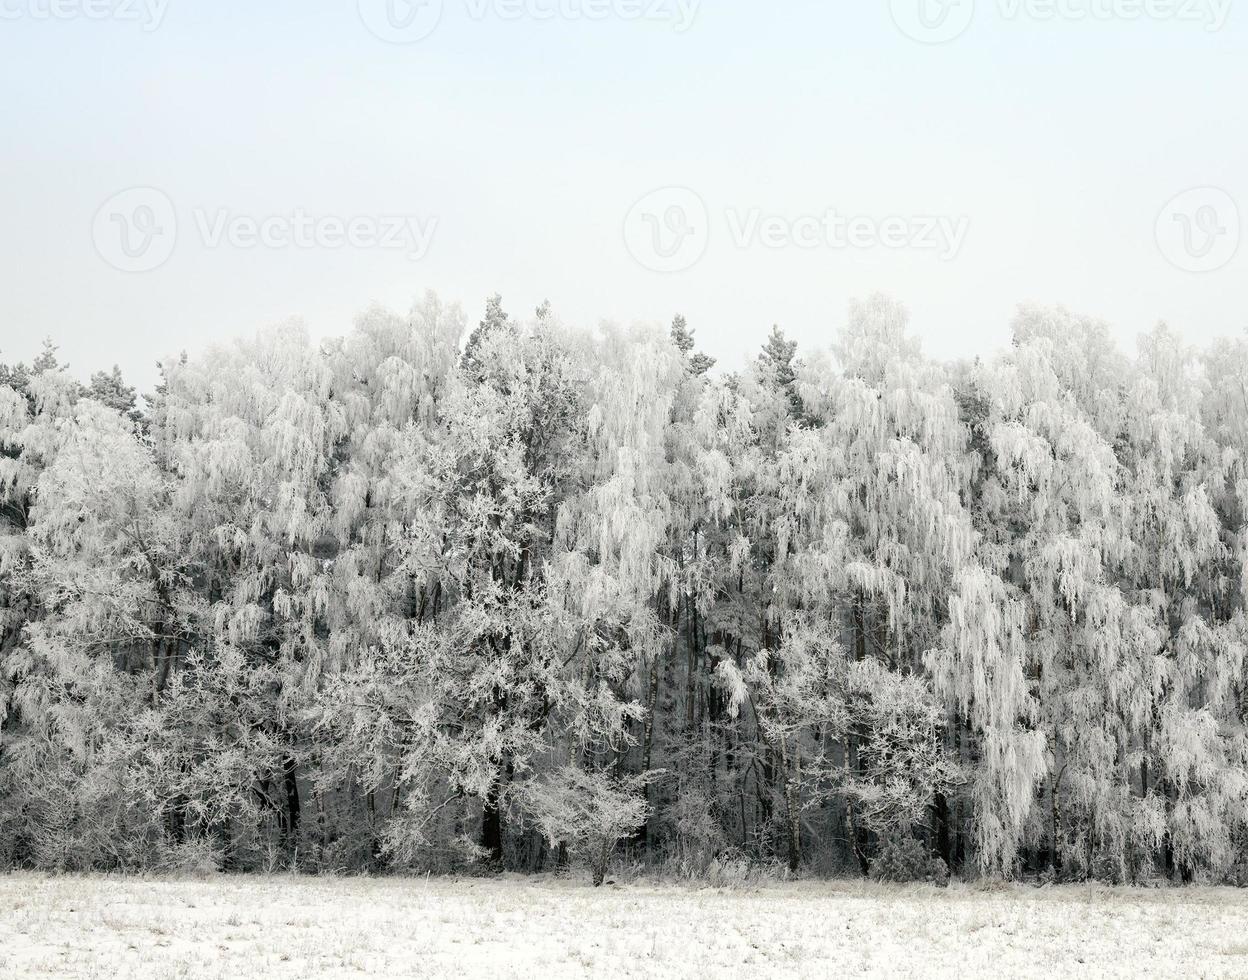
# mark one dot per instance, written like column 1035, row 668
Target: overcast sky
column 744, row 163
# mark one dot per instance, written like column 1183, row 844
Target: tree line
column 530, row 597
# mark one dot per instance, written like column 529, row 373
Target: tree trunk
column 792, row 812
column 690, row 680
column 601, row 856
column 943, row 846
column 652, row 701
column 492, row 818
column 160, row 667
column 290, row 781
column 856, row 839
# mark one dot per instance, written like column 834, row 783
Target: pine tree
column 778, row 360
column 682, row 337
column 494, row 321
column 108, row 388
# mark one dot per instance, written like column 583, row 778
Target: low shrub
column 906, row 859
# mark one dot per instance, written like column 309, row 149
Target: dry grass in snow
column 324, row 927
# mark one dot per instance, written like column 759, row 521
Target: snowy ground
column 544, row 928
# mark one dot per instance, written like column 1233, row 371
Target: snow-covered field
column 325, row 927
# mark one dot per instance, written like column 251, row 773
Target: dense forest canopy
column 524, row 597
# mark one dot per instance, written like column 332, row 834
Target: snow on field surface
column 515, row 927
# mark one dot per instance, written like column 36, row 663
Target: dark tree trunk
column 492, row 827
column 290, row 782
column 792, row 810
column 691, row 678
column 652, row 701
column 492, row 819
column 943, row 845
column 602, row 856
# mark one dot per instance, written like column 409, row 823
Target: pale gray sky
column 527, row 144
